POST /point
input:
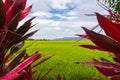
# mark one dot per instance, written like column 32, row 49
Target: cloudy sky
column 62, row 18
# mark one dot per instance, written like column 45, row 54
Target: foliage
column 14, row 65
column 114, row 4
column 65, row 54
column 110, row 42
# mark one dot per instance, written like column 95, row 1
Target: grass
column 65, row 53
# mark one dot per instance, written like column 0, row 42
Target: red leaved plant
column 59, row 77
column 12, row 38
column 109, row 42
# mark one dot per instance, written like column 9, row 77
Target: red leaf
column 34, row 72
column 91, row 47
column 117, row 60
column 14, row 9
column 59, row 77
column 41, row 61
column 83, row 35
column 27, row 36
column 2, row 14
column 116, row 77
column 13, row 23
column 103, row 42
column 15, row 62
column 15, row 72
column 24, row 4
column 102, row 64
column 25, row 27
column 46, row 73
column 6, row 58
column 25, row 12
column 107, row 71
column 110, row 28
column 8, row 4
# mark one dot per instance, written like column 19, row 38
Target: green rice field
column 65, row 53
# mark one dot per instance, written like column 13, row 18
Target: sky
column 62, row 18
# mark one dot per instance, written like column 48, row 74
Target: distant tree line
column 31, row 39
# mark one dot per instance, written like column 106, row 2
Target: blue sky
column 62, row 18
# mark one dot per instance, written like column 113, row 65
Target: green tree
column 114, row 4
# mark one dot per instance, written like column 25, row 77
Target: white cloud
column 55, row 25
column 72, row 13
column 61, row 4
column 41, row 21
column 41, row 14
column 55, row 29
column 39, row 5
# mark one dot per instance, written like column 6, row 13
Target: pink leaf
column 24, row 4
column 13, row 10
column 15, row 72
column 8, row 4
column 83, row 35
column 25, row 12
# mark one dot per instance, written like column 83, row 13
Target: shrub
column 110, row 42
column 14, row 65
